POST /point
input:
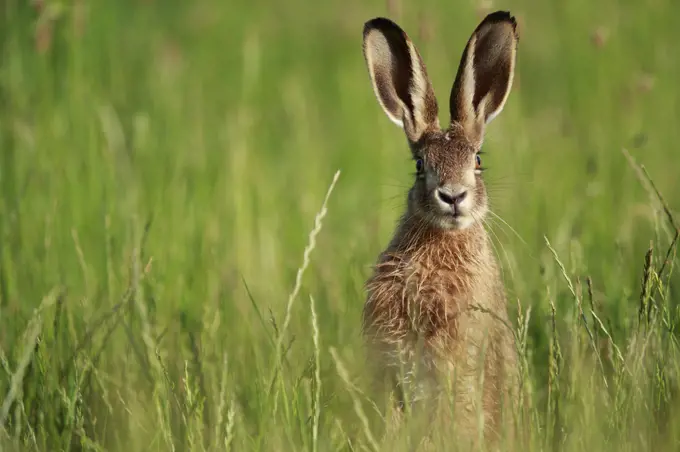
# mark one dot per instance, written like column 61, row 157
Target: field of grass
column 162, row 166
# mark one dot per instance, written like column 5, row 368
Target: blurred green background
column 161, row 166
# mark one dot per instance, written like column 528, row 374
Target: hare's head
column 448, row 192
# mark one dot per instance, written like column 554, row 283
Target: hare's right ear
column 485, row 74
column 399, row 78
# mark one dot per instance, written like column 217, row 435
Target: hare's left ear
column 485, row 74
column 399, row 78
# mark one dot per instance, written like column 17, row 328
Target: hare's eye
column 419, row 165
column 478, row 162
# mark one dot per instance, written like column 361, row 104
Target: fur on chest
column 423, row 294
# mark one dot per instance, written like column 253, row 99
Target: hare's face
column 448, row 191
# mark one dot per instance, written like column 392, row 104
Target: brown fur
column 442, row 289
column 435, row 316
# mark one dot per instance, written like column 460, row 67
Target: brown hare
column 435, row 314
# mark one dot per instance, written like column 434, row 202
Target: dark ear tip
column 500, row 17
column 380, row 23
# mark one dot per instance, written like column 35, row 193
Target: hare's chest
column 445, row 314
column 425, row 326
column 434, row 297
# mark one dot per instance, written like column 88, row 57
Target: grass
column 162, row 166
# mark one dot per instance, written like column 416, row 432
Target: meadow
column 192, row 195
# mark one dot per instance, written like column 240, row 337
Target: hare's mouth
column 454, row 220
column 441, row 215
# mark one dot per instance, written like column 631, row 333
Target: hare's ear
column 485, row 74
column 399, row 78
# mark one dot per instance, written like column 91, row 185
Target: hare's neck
column 416, row 240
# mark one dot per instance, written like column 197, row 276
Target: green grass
column 161, row 167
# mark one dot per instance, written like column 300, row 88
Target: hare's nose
column 447, row 196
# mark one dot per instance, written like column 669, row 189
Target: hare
column 435, row 315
